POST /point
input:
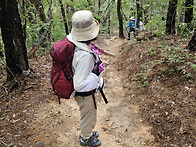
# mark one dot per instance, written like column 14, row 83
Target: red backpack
column 61, row 72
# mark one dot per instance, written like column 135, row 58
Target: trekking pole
column 103, row 95
column 127, row 31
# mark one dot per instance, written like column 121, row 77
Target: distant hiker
column 87, row 70
column 132, row 26
column 141, row 26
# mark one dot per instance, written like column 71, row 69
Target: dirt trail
column 119, row 123
column 31, row 117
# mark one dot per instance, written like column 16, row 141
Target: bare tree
column 192, row 42
column 1, row 48
column 40, row 10
column 64, row 18
column 13, row 38
column 69, row 11
column 23, row 19
column 99, row 7
column 109, row 24
column 189, row 13
column 120, row 18
column 171, row 16
column 39, row 7
column 139, row 12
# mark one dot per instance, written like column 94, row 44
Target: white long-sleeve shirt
column 83, row 62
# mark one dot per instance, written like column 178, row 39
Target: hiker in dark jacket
column 132, row 26
column 87, row 69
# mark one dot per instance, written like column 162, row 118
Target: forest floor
column 147, row 108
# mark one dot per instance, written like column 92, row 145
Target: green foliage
column 32, row 34
column 177, row 60
column 183, row 29
column 156, row 24
column 152, row 51
column 170, row 60
column 154, row 18
column 192, row 65
column 10, row 145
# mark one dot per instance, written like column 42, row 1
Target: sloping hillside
column 161, row 76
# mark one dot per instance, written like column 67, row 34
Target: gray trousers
column 88, row 115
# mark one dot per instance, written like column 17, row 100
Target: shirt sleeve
column 83, row 79
column 90, row 83
column 128, row 25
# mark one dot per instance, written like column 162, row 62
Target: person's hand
column 101, row 67
column 98, row 68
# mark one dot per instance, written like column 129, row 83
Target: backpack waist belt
column 84, row 94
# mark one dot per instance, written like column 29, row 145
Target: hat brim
column 86, row 34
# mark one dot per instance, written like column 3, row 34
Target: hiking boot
column 94, row 133
column 92, row 141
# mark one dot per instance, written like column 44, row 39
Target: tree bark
column 106, row 14
column 99, row 8
column 30, row 12
column 1, row 47
column 39, row 7
column 64, row 18
column 23, row 19
column 139, row 12
column 171, row 16
column 189, row 13
column 13, row 38
column 69, row 10
column 120, row 18
column 109, row 24
column 192, row 42
column 50, row 10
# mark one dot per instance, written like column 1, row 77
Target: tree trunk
column 72, row 8
column 192, row 43
column 30, row 12
column 50, row 10
column 120, row 18
column 13, row 38
column 99, row 8
column 70, row 11
column 23, row 19
column 39, row 7
column 1, row 48
column 139, row 12
column 189, row 13
column 64, row 18
column 171, row 16
column 109, row 24
column 50, row 20
column 146, row 16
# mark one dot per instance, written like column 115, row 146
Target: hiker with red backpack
column 87, row 68
column 77, row 72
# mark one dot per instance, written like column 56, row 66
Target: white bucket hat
column 132, row 18
column 84, row 26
